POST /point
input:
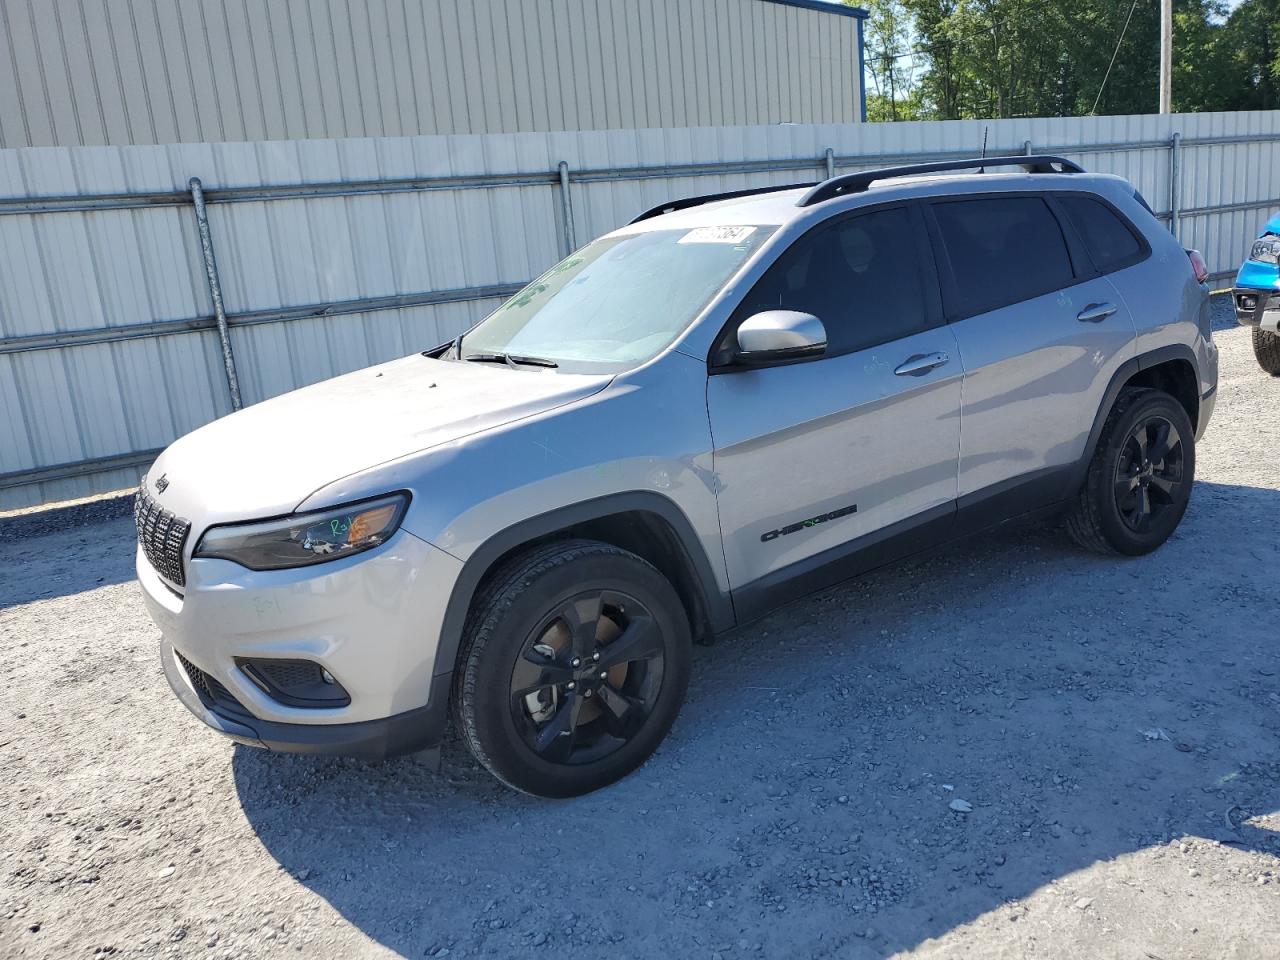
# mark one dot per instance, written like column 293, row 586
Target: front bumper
column 408, row 732
column 1257, row 307
column 373, row 621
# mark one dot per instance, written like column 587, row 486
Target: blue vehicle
column 1257, row 296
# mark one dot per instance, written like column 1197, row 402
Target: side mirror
column 780, row 335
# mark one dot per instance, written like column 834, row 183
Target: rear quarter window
column 1002, row 250
column 1108, row 239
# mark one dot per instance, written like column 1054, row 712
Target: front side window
column 1003, row 250
column 861, row 276
column 617, row 301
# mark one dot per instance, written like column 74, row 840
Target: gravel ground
column 1013, row 750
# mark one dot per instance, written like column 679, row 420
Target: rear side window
column 860, row 276
column 1003, row 250
column 1109, row 241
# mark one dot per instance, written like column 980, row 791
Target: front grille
column 212, row 693
column 162, row 536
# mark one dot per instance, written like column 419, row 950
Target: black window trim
column 930, row 280
column 1082, row 265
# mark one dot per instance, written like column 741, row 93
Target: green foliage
column 1010, row 58
column 1253, row 44
column 881, row 109
column 888, row 54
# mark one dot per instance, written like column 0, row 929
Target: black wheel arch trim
column 716, row 604
column 1125, row 372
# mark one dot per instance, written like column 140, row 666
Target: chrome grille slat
column 162, row 535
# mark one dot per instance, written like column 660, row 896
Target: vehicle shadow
column 1085, row 708
column 51, row 554
column 1222, row 313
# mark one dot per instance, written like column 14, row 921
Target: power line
column 1116, row 52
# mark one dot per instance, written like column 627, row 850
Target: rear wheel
column 1266, row 347
column 574, row 666
column 1139, row 481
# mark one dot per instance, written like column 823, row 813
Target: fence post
column 215, row 290
column 1175, row 150
column 567, row 242
column 830, row 158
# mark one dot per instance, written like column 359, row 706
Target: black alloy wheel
column 1149, row 474
column 588, row 677
column 1138, row 482
column 573, row 666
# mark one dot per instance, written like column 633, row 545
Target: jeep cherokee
column 730, row 402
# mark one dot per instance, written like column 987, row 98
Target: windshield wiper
column 511, row 359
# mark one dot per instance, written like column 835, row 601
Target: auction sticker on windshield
column 717, row 235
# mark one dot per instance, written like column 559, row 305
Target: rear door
column 811, row 455
column 1040, row 332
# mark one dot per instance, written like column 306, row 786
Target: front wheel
column 574, row 665
column 1266, row 347
column 1138, row 483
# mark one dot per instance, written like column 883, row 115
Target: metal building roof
column 826, row 6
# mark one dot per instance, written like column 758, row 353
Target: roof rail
column 858, row 182
column 684, row 204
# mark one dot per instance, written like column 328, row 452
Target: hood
column 1273, row 226
column 266, row 459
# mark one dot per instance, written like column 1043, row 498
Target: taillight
column 1199, row 266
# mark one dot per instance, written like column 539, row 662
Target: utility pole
column 1166, row 56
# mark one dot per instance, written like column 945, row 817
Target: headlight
column 1266, row 250
column 306, row 538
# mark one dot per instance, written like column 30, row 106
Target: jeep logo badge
column 163, row 483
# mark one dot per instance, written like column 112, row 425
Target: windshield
column 617, row 301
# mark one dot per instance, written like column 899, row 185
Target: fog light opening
column 296, row 683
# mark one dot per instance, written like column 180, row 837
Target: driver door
column 817, row 458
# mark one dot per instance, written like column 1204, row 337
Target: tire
column 541, row 723
column 1108, row 513
column 1266, row 347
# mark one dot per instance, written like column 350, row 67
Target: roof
column 780, row 207
column 826, row 6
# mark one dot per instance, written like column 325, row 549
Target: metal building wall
column 87, row 72
column 335, row 254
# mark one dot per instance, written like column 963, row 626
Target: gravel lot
column 1014, row 750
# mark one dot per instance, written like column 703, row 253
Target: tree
column 1008, row 58
column 940, row 85
column 889, row 60
column 1205, row 75
column 1253, row 42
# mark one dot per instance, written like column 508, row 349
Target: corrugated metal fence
column 335, row 254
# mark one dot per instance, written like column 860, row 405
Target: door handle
column 920, row 364
column 1095, row 313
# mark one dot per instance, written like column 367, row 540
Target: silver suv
column 731, row 402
